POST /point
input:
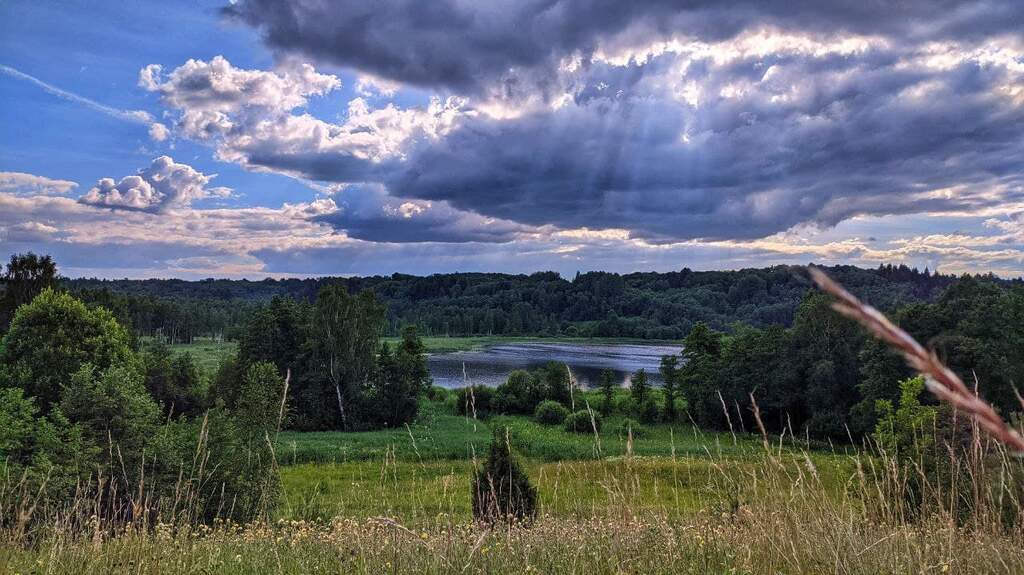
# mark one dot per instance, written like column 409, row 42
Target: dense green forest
column 599, row 304
column 824, row 377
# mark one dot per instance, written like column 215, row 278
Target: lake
column 491, row 365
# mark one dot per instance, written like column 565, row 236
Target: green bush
column 648, row 412
column 906, row 430
column 581, row 422
column 115, row 413
column 437, row 393
column 97, row 432
column 37, row 450
column 233, row 471
column 501, row 489
column 626, row 426
column 519, row 394
column 550, row 413
column 475, row 400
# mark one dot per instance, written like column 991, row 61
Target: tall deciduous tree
column 701, row 354
column 823, row 368
column 26, row 276
column 345, row 334
column 51, row 338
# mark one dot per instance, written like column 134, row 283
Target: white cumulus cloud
column 164, row 184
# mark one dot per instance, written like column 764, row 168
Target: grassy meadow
column 207, row 353
column 650, row 499
column 671, row 501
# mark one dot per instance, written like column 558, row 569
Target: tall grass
column 774, row 507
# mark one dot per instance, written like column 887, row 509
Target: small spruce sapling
column 501, row 489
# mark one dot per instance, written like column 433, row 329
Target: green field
column 207, row 353
column 424, row 470
column 438, row 435
column 398, row 501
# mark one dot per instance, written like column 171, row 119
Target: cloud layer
column 503, row 47
column 673, row 124
column 22, row 183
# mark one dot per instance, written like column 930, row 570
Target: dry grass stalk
column 940, row 380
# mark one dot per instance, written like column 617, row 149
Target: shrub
column 519, row 394
column 234, row 475
column 647, row 412
column 475, row 399
column 905, row 430
column 115, row 412
column 550, row 413
column 556, row 381
column 580, row 422
column 37, row 450
column 437, row 393
column 626, row 426
column 501, row 489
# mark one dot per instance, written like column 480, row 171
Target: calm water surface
column 491, row 365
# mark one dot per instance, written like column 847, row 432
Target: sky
column 256, row 138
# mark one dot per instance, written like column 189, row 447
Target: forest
column 594, row 304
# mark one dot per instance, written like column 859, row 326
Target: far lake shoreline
column 489, row 363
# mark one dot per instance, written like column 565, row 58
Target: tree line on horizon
column 595, row 304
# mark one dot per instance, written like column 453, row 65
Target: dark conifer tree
column 669, row 373
column 607, row 386
column 639, row 387
column 501, row 489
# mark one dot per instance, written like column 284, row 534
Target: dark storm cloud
column 470, row 46
column 852, row 142
column 757, row 116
